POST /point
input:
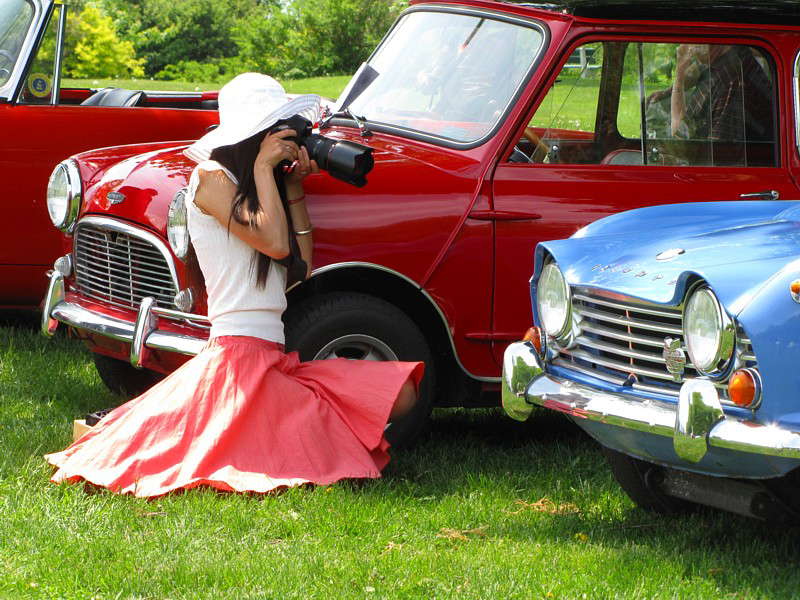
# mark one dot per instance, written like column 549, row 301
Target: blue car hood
column 734, row 249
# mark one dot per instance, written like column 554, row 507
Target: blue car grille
column 120, row 267
column 622, row 340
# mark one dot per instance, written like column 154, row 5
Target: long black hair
column 239, row 159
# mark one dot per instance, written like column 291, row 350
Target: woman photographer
column 243, row 415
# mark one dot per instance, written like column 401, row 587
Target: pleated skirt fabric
column 243, row 416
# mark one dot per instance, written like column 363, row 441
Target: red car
column 42, row 121
column 494, row 126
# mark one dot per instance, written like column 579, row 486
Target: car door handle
column 767, row 195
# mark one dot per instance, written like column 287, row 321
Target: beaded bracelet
column 296, row 200
column 305, row 231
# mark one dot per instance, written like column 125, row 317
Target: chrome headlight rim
column 723, row 359
column 561, row 334
column 74, row 195
column 177, row 211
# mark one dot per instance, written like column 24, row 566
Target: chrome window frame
column 41, row 10
column 796, row 93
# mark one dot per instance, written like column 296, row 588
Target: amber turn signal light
column 534, row 336
column 794, row 288
column 744, row 387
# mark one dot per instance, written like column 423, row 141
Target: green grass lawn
column 483, row 507
column 329, row 87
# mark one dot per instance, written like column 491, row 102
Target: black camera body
column 347, row 161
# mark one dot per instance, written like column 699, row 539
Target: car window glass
column 15, row 18
column 613, row 103
column 563, row 127
column 449, row 75
column 41, row 77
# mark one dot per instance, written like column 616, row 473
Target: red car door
column 601, row 142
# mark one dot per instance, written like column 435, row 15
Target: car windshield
column 15, row 18
column 447, row 74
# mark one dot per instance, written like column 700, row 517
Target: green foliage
column 316, row 37
column 210, row 40
column 96, row 50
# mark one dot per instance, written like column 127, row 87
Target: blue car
column 671, row 335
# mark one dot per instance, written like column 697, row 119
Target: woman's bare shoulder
column 215, row 191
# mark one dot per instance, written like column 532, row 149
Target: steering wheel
column 540, row 149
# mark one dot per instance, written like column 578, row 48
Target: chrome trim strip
column 696, row 416
column 352, row 264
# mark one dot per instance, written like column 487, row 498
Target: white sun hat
column 250, row 103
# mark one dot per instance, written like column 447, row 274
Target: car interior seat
column 111, row 96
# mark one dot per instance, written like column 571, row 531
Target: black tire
column 358, row 326
column 639, row 480
column 121, row 377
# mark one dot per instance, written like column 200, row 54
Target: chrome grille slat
column 122, row 289
column 660, row 311
column 585, row 311
column 105, row 259
column 630, row 353
column 623, row 367
column 100, row 241
column 120, row 265
column 156, row 276
column 621, row 335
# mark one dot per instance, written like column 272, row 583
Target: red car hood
column 145, row 183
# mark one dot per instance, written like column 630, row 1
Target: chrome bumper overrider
column 143, row 335
column 695, row 423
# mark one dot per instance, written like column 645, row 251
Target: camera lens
column 347, row 161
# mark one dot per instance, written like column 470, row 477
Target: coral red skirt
column 243, row 416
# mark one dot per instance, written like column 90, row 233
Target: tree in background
column 95, row 50
column 302, row 38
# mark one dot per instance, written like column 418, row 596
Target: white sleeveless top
column 236, row 306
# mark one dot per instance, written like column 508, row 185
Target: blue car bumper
column 693, row 433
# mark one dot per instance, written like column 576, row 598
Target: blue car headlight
column 709, row 332
column 553, row 302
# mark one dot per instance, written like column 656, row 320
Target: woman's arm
column 269, row 233
column 678, row 101
column 297, row 205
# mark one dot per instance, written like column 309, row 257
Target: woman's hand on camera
column 301, row 169
column 276, row 147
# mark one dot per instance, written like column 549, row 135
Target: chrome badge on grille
column 675, row 357
column 115, row 197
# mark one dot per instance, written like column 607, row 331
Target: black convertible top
column 778, row 12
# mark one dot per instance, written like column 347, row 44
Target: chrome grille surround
column 620, row 339
column 118, row 264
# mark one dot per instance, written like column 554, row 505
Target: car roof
column 779, row 12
